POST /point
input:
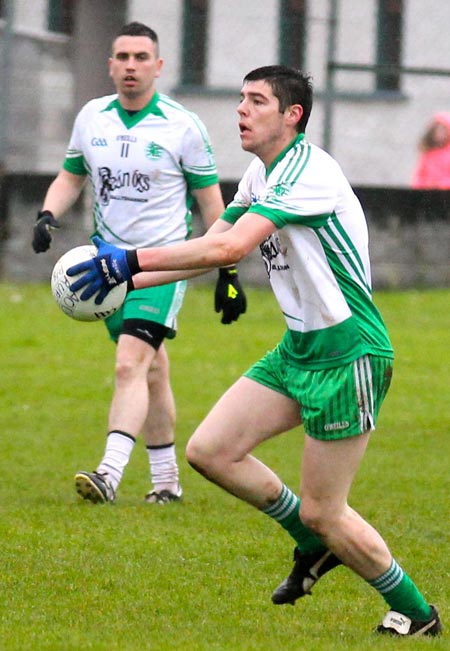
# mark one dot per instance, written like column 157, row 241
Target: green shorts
column 157, row 304
column 334, row 403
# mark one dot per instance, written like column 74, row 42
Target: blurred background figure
column 433, row 165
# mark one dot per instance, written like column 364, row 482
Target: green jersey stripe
column 296, row 165
column 233, row 212
column 102, row 227
column 195, row 181
column 333, row 233
column 305, row 149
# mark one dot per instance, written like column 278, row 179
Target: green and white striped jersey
column 142, row 168
column 318, row 260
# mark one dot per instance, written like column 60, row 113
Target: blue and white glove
column 110, row 267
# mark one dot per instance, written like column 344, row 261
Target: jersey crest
column 153, row 151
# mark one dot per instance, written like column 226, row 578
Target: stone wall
column 409, row 234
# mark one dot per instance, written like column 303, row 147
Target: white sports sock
column 119, row 446
column 163, row 467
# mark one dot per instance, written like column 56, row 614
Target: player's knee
column 131, row 366
column 196, row 454
column 197, row 459
column 124, row 369
column 203, row 457
column 316, row 516
column 157, row 379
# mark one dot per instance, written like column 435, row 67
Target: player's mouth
column 129, row 80
column 243, row 129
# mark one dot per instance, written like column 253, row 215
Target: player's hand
column 229, row 296
column 41, row 231
column 110, row 267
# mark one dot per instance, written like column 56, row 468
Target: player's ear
column 159, row 65
column 109, row 66
column 294, row 114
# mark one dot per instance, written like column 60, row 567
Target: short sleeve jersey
column 142, row 168
column 317, row 260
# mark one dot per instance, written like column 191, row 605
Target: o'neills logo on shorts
column 330, row 427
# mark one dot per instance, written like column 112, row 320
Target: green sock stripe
column 285, row 511
column 389, row 580
column 402, row 595
column 284, row 506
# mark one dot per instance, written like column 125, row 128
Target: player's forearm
column 62, row 194
column 211, row 204
column 205, row 252
column 156, row 278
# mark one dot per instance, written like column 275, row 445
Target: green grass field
column 199, row 575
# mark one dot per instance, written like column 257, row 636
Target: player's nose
column 241, row 108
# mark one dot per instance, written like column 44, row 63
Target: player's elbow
column 231, row 251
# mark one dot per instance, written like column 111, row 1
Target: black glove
column 229, row 297
column 41, row 232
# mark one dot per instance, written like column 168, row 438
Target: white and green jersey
column 142, row 168
column 317, row 260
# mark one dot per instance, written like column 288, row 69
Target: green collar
column 131, row 120
column 282, row 153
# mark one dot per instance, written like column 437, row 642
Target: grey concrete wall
column 409, row 235
column 95, row 26
column 40, row 108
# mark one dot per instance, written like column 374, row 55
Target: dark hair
column 290, row 86
column 139, row 29
column 428, row 140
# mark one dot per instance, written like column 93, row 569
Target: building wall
column 374, row 137
column 41, row 104
column 46, row 77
